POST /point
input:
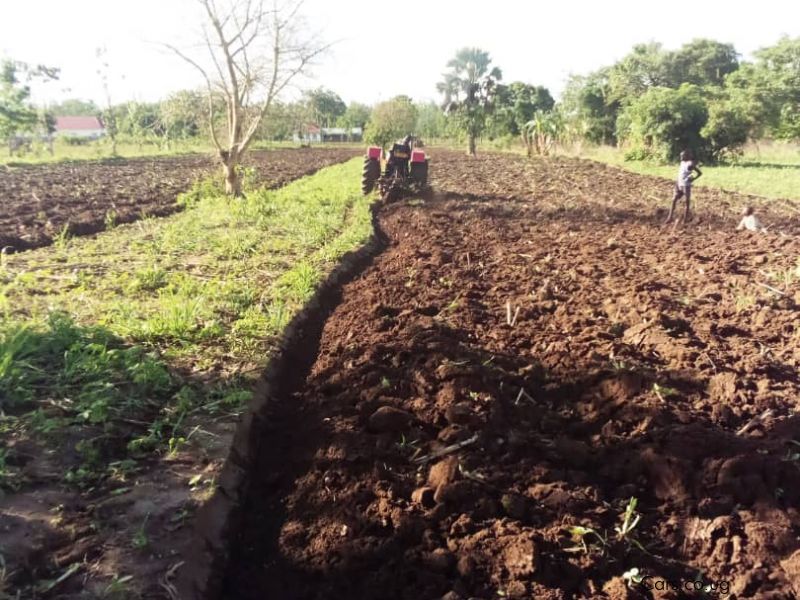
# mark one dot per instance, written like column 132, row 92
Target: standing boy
column 683, row 187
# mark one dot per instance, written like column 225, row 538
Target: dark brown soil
column 38, row 201
column 638, row 359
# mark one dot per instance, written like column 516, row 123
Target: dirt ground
column 36, row 202
column 532, row 350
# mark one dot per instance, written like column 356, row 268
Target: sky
column 382, row 48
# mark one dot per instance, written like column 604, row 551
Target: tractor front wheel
column 370, row 176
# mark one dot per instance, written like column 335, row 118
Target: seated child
column 750, row 221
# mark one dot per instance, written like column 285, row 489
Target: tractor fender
column 374, row 152
column 417, row 156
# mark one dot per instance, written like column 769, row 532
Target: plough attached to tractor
column 405, row 172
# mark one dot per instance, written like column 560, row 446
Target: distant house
column 84, row 127
column 340, row 134
column 312, row 134
column 309, row 134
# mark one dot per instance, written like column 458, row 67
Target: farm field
column 42, row 203
column 537, row 391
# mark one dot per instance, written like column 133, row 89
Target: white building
column 314, row 135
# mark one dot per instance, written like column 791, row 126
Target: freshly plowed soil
column 639, row 361
column 36, row 202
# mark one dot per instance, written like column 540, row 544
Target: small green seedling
column 630, row 519
column 140, row 539
column 61, row 238
column 117, row 586
column 663, row 392
column 579, row 535
column 406, row 444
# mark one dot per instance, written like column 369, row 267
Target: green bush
column 664, row 121
column 727, row 130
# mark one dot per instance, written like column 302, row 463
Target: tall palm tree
column 469, row 87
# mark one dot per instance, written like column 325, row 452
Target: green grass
column 120, row 336
column 101, row 149
column 770, row 170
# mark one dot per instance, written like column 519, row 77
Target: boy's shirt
column 751, row 223
column 685, row 173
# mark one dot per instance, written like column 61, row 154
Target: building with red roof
column 85, row 127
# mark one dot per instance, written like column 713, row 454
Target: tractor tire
column 370, row 176
column 419, row 174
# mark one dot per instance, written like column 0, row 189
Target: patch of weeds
column 299, row 283
column 277, row 317
column 238, row 297
column 110, row 219
column 209, row 187
column 227, row 399
column 744, row 301
column 178, row 318
column 85, row 364
column 140, row 540
column 149, row 279
column 41, row 422
column 61, row 239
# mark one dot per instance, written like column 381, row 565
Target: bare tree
column 255, row 49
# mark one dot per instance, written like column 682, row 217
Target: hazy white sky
column 380, row 54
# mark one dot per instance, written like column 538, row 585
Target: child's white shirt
column 751, row 223
column 685, row 173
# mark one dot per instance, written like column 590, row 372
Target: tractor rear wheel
column 419, row 173
column 370, row 176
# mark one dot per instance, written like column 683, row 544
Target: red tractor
column 405, row 172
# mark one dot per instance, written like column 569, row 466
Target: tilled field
column 37, row 202
column 531, row 351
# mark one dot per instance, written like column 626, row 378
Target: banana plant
column 541, row 133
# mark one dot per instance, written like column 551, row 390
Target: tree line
column 654, row 102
